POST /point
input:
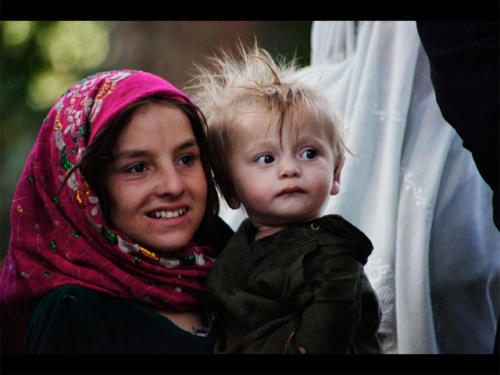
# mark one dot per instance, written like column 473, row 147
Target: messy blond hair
column 255, row 78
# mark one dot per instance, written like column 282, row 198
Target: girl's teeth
column 169, row 214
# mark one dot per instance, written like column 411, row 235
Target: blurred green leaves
column 65, row 49
column 39, row 60
column 16, row 33
column 69, row 48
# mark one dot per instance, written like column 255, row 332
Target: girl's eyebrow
column 187, row 144
column 129, row 154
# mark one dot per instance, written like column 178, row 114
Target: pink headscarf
column 65, row 240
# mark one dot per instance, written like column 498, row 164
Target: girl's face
column 156, row 183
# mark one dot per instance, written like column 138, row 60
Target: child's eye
column 136, row 168
column 310, row 153
column 265, row 159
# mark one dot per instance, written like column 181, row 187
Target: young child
column 290, row 280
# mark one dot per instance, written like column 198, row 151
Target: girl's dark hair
column 99, row 154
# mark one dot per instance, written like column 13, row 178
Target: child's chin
column 291, row 218
column 299, row 214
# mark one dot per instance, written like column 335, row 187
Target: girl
column 112, row 221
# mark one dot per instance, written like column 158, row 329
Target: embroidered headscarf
column 59, row 239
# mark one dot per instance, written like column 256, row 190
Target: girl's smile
column 156, row 182
column 165, row 213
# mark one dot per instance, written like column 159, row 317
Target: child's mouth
column 291, row 190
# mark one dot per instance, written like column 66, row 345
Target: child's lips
column 291, row 190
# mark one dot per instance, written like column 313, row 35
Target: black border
column 250, row 364
column 249, row 10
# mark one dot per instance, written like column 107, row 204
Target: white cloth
column 411, row 187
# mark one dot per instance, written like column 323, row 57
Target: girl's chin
column 167, row 250
column 169, row 247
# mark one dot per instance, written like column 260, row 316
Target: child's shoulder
column 334, row 230
column 338, row 225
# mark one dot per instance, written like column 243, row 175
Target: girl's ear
column 230, row 198
column 234, row 203
column 339, row 164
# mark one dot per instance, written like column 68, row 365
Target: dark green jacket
column 301, row 290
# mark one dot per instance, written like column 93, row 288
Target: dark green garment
column 72, row 319
column 301, row 290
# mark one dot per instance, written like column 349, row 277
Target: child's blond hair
column 256, row 79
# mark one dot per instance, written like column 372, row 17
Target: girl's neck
column 188, row 321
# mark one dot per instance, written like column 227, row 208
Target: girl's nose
column 288, row 167
column 168, row 182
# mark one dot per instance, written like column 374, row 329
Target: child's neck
column 265, row 230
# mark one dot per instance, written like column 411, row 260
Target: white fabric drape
column 411, row 187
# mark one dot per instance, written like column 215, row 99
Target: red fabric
column 65, row 240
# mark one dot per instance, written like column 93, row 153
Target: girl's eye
column 136, row 168
column 308, row 154
column 187, row 159
column 265, row 159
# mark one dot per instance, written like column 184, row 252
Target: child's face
column 156, row 182
column 279, row 184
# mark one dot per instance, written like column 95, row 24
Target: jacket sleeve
column 329, row 319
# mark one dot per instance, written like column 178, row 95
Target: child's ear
column 339, row 164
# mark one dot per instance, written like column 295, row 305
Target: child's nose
column 168, row 182
column 289, row 168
